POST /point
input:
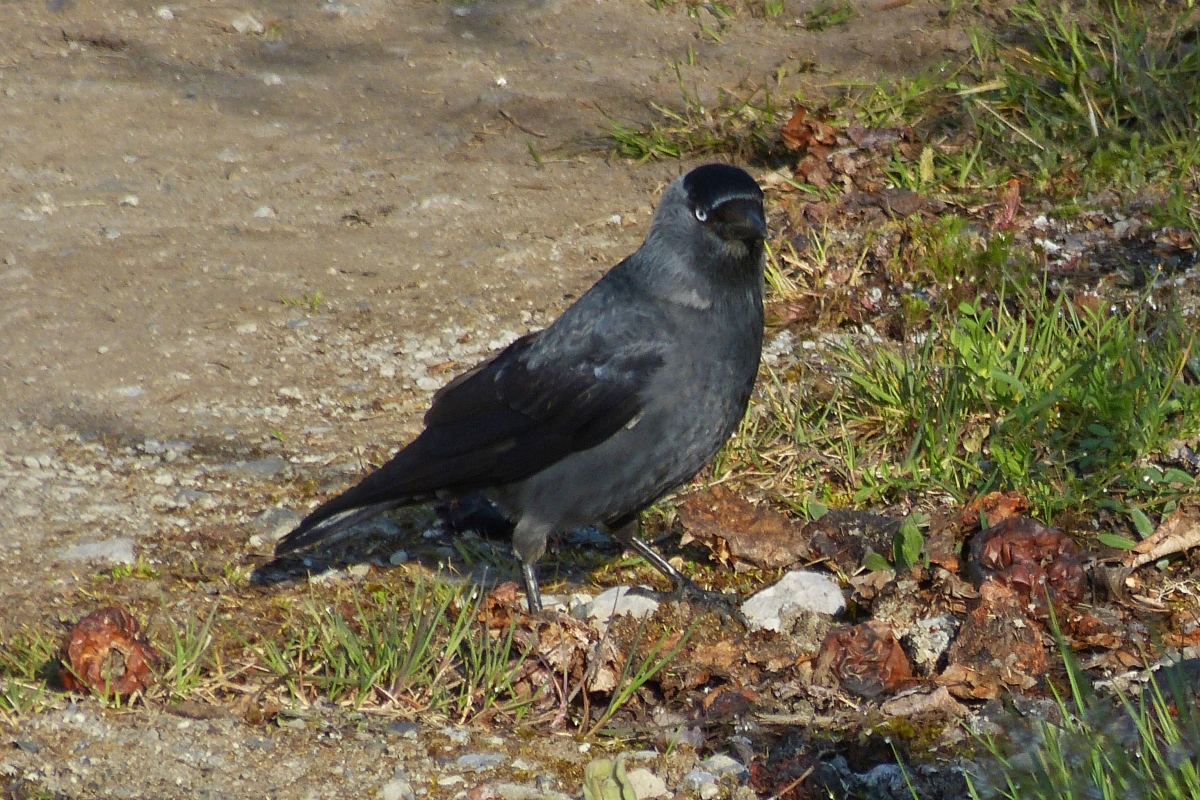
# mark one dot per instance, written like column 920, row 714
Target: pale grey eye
column 701, row 214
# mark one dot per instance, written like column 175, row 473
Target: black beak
column 754, row 226
column 747, row 222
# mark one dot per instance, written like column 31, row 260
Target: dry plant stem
column 792, row 785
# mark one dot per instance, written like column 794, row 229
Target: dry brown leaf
column 969, row 684
column 867, row 659
column 1009, row 204
column 736, row 530
column 801, row 132
column 995, row 506
column 725, row 702
column 937, row 703
column 795, row 133
column 1177, row 533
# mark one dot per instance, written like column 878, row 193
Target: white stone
column 798, row 589
column 116, row 551
column 646, row 784
column 616, row 602
column 245, row 23
column 396, row 789
column 697, row 778
column 721, row 765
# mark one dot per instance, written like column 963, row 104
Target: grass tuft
column 827, row 14
column 28, row 662
column 739, row 126
column 428, row 652
column 1131, row 749
column 1030, row 390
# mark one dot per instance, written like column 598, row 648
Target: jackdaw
column 624, row 397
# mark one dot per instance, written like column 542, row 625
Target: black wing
column 513, row 416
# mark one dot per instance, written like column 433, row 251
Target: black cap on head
column 713, row 184
column 727, row 201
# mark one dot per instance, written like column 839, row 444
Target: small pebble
column 646, row 784
column 799, row 589
column 264, row 212
column 721, row 764
column 477, row 762
column 115, row 551
column 131, row 200
column 165, row 14
column 246, row 24
column 457, row 735
column 405, row 730
column 398, row 788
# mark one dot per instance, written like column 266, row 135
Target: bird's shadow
column 469, row 536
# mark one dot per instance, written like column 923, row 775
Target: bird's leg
column 533, row 595
column 529, row 543
column 683, row 587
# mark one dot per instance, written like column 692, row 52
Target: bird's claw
column 724, row 604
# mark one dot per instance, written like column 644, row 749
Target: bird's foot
column 727, row 605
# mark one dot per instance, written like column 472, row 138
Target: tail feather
column 326, row 528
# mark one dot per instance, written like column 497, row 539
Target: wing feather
column 530, row 406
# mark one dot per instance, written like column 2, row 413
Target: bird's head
column 707, row 236
column 726, row 202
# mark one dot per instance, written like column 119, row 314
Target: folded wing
column 509, row 418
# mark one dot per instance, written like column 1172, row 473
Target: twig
column 1012, row 127
column 521, row 127
column 792, row 785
